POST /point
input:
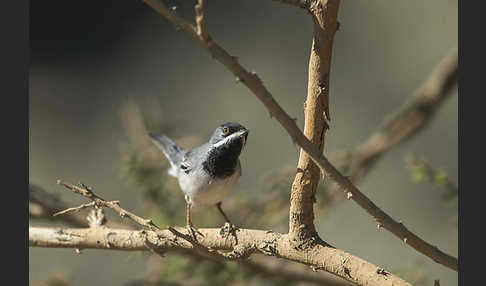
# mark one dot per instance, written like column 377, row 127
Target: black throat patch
column 221, row 161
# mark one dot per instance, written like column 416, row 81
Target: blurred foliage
column 421, row 171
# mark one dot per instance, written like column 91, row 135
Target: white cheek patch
column 227, row 139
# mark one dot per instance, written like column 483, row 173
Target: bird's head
column 229, row 134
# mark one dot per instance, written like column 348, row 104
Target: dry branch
column 254, row 83
column 210, row 242
column 302, row 198
column 319, row 256
column 236, row 254
column 87, row 192
column 42, row 205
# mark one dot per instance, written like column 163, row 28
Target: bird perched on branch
column 209, row 172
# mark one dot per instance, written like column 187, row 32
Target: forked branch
column 254, row 83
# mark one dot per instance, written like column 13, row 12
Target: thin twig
column 75, row 209
column 43, row 204
column 254, row 83
column 88, row 193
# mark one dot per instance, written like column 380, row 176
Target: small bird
column 209, row 172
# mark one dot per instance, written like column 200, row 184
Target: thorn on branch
column 349, row 195
column 257, row 78
column 322, row 87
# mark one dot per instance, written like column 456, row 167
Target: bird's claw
column 193, row 231
column 229, row 229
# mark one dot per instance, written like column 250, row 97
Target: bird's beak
column 244, row 135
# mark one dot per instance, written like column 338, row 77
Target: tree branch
column 413, row 116
column 43, row 204
column 210, row 243
column 302, row 198
column 253, row 82
column 202, row 252
column 319, row 256
column 402, row 124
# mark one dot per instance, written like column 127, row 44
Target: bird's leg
column 189, row 226
column 229, row 227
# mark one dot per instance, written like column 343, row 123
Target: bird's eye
column 225, row 131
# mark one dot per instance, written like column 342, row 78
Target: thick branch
column 202, row 252
column 253, row 82
column 302, row 198
column 319, row 256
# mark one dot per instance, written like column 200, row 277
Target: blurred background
column 104, row 73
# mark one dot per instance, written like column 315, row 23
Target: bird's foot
column 193, row 231
column 229, row 229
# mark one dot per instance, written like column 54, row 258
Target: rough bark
column 302, row 198
column 319, row 256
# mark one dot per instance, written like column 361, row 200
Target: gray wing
column 192, row 159
column 171, row 150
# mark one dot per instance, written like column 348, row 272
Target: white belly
column 215, row 191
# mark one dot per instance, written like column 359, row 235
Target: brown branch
column 115, row 205
column 274, row 272
column 209, row 243
column 302, row 198
column 408, row 120
column 42, row 205
column 75, row 209
column 319, row 256
column 253, row 82
column 237, row 253
column 45, row 205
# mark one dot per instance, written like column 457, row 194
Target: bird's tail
column 171, row 150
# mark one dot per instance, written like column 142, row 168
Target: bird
column 208, row 173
